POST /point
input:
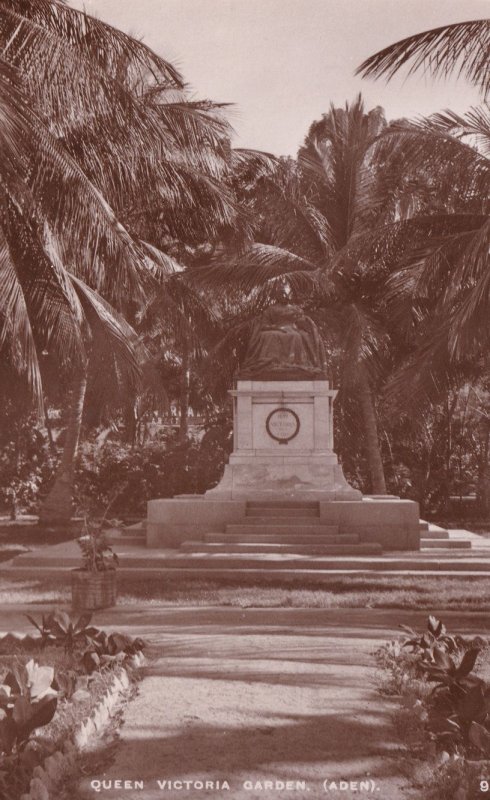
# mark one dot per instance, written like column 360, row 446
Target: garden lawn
column 376, row 591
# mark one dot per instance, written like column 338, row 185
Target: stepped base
column 391, row 523
column 254, row 565
column 445, row 544
column 271, row 538
column 141, row 563
column 255, row 548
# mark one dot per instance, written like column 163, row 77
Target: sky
column 282, row 62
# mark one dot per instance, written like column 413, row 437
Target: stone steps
column 287, row 537
column 278, row 530
column 270, row 538
column 434, row 534
column 262, row 566
column 281, row 528
column 272, row 511
column 256, row 548
column 287, row 504
column 316, row 539
column 282, row 520
column 445, row 544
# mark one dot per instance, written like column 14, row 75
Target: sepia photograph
column 244, row 399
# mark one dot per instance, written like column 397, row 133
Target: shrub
column 26, row 464
column 155, row 469
column 445, row 706
column 456, row 711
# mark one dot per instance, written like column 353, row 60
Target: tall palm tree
column 313, row 212
column 111, row 362
column 89, row 116
column 443, row 276
column 438, row 292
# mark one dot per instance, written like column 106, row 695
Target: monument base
column 274, row 478
column 393, row 523
column 283, row 479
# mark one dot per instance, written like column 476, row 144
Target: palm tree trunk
column 483, row 484
column 57, row 507
column 373, row 452
column 184, row 393
column 49, row 429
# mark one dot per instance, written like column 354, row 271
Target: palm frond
column 16, row 334
column 54, row 310
column 427, row 373
column 39, row 174
column 256, row 162
column 336, row 158
column 256, row 267
column 474, row 124
column 470, row 293
column 161, row 264
column 429, row 145
column 96, row 104
column 463, row 47
column 178, row 313
column 113, row 48
column 114, row 341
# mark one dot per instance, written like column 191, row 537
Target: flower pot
column 91, row 590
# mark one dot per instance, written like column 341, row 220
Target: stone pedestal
column 283, row 444
column 283, row 458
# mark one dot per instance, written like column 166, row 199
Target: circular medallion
column 282, row 424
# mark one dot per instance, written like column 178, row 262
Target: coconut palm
column 443, row 279
column 89, row 116
column 438, row 292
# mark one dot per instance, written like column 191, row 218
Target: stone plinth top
column 278, row 386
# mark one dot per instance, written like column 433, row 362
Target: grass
column 403, row 592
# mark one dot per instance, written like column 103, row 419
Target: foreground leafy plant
column 110, row 650
column 435, row 636
column 28, row 701
column 97, row 555
column 96, row 648
column 63, row 630
column 45, row 629
column 456, row 711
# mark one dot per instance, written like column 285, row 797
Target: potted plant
column 93, row 585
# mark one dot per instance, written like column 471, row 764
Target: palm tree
column 111, row 363
column 311, row 215
column 440, row 290
column 443, row 277
column 88, row 116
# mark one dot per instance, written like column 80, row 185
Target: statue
column 284, row 345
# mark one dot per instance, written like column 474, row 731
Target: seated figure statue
column 284, row 345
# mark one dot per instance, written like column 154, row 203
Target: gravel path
column 267, row 711
column 271, row 701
